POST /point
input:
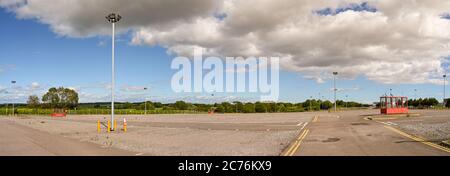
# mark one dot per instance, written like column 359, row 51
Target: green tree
column 33, row 101
column 260, row 107
column 181, row 105
column 238, row 106
column 219, row 109
column 326, row 104
column 248, row 108
column 61, row 98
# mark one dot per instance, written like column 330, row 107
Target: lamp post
column 444, row 102
column 310, row 103
column 13, row 112
column 415, row 94
column 346, row 101
column 112, row 18
column 320, row 102
column 334, row 80
column 145, row 111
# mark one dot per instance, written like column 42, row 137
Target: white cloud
column 35, row 86
column 4, row 68
column 83, row 18
column 127, row 88
column 402, row 42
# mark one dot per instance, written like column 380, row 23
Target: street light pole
column 346, row 101
column 13, row 112
column 113, row 18
column 310, row 104
column 320, row 102
column 334, row 80
column 145, row 111
column 415, row 94
column 444, row 102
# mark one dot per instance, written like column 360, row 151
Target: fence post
column 124, row 125
column 109, row 126
column 98, row 126
column 115, row 124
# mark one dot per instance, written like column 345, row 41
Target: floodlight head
column 145, row 88
column 13, row 82
column 335, row 73
column 113, row 18
column 444, row 76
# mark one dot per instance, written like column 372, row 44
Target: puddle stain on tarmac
column 331, row 140
column 359, row 123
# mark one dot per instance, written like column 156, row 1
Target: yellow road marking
column 299, row 142
column 315, row 119
column 293, row 144
column 294, row 147
column 418, row 139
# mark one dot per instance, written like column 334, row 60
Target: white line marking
column 384, row 123
column 391, row 123
column 304, row 125
column 299, row 123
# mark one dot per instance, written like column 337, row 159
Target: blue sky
column 38, row 58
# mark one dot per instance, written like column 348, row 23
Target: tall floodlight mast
column 13, row 112
column 444, row 102
column 113, row 18
column 334, row 80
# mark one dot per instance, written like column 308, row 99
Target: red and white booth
column 393, row 105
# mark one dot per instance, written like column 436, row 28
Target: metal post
column 320, row 102
column 112, row 78
column 113, row 18
column 415, row 94
column 310, row 104
column 13, row 112
column 444, row 102
column 145, row 104
column 346, row 101
column 334, row 80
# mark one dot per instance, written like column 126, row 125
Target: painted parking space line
column 304, row 125
column 418, row 139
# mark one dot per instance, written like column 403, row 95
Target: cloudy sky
column 375, row 45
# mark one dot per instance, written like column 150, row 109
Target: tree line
column 63, row 99
column 423, row 103
column 56, row 98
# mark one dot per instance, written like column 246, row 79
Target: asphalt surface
column 348, row 134
column 18, row 140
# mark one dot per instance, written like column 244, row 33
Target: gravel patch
column 431, row 131
column 169, row 141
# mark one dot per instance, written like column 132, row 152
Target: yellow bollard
column 109, row 126
column 98, row 126
column 115, row 125
column 124, row 125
